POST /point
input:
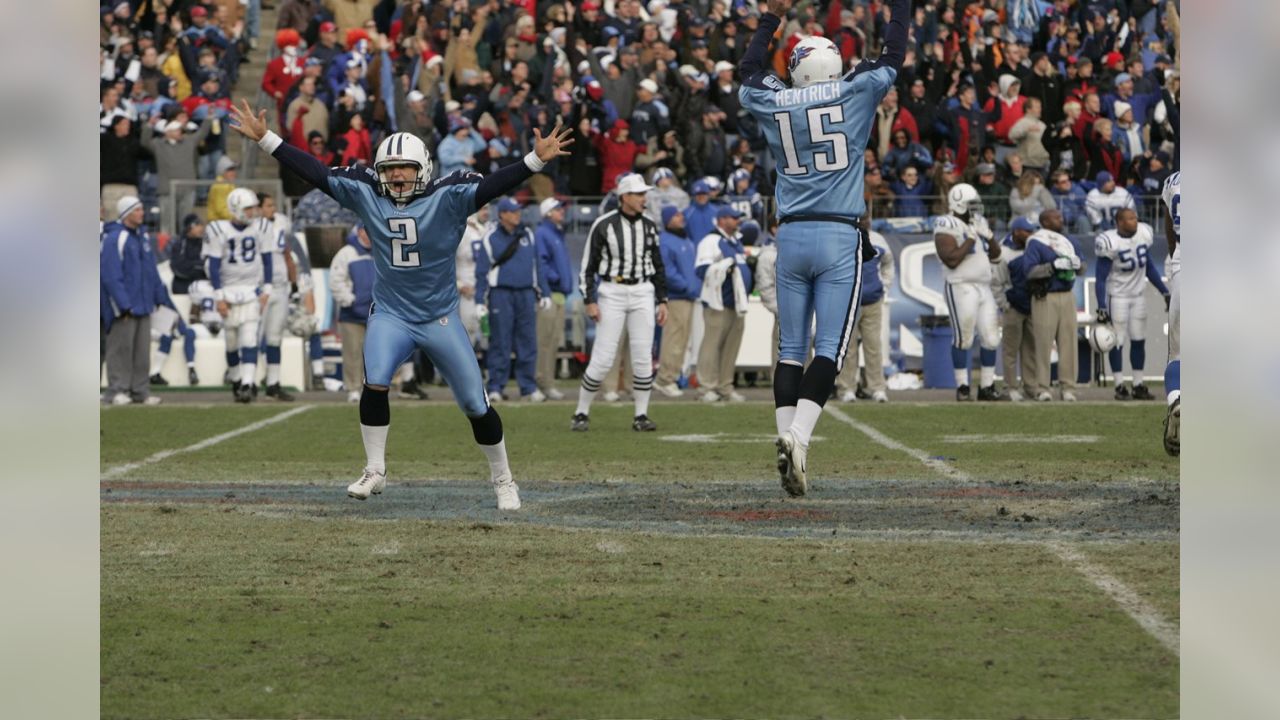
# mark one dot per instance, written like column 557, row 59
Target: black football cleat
column 1122, row 391
column 962, row 394
column 580, row 423
column 279, row 393
column 990, row 394
column 412, row 391
column 642, row 423
column 1140, row 392
column 192, row 377
column 1173, row 428
column 158, row 379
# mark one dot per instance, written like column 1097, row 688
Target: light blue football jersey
column 414, row 244
column 817, row 135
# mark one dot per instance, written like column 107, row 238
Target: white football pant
column 973, row 311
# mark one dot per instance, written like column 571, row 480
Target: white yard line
column 880, row 438
column 1147, row 617
column 1021, row 439
column 112, row 473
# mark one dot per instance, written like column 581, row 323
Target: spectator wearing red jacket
column 617, row 153
column 358, row 147
column 285, row 69
column 1003, row 111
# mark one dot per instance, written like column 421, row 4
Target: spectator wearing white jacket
column 726, row 285
column 351, row 283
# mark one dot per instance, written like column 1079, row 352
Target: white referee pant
column 630, row 307
column 973, row 312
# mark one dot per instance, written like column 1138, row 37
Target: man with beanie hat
column 130, row 290
column 684, row 286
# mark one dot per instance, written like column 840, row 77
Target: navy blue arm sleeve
column 1100, row 284
column 499, row 183
column 1153, row 274
column 895, row 36
column 757, row 55
column 305, row 165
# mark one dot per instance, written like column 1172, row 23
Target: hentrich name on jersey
column 821, row 92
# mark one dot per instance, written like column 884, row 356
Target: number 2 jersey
column 241, row 254
column 415, row 243
column 1129, row 258
column 817, row 135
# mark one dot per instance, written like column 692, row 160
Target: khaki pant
column 870, row 320
column 1018, row 343
column 718, row 355
column 1053, row 317
column 675, row 340
column 353, row 355
column 550, row 338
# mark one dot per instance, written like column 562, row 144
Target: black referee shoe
column 642, row 423
column 580, row 423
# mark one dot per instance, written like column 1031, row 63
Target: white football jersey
column 975, row 268
column 282, row 227
column 242, row 250
column 1001, row 281
column 1129, row 257
column 1172, row 196
column 1102, row 207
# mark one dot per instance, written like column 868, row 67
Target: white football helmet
column 963, row 198
column 1103, row 338
column 814, row 59
column 300, row 322
column 239, row 201
column 402, row 148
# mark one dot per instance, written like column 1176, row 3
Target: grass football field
column 949, row 561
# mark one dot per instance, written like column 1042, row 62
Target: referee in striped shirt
column 624, row 285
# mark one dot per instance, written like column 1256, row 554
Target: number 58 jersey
column 241, row 250
column 1129, row 257
column 817, row 135
column 414, row 243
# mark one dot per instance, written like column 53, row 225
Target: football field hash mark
column 1027, row 439
column 112, row 473
column 880, row 438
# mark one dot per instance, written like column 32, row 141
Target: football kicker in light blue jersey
column 415, row 243
column 817, row 135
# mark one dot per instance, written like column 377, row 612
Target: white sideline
column 1147, row 617
column 112, row 473
column 881, row 439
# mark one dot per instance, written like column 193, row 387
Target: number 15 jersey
column 817, row 135
column 414, row 243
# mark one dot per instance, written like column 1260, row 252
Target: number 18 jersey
column 817, row 135
column 241, row 250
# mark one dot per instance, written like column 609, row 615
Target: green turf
column 434, row 441
column 235, row 614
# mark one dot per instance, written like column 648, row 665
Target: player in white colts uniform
column 1172, row 197
column 276, row 314
column 962, row 240
column 1124, row 267
column 242, row 282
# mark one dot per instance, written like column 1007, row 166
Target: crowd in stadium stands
column 1040, row 104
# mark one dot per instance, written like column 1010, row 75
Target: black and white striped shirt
column 623, row 249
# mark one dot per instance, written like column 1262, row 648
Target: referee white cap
column 632, row 183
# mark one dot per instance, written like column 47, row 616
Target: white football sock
column 1172, row 397
column 248, row 373
column 406, row 373
column 642, row 401
column 497, row 457
column 192, row 364
column 783, row 417
column 987, row 377
column 807, row 414
column 157, row 361
column 585, row 397
column 273, row 374
column 375, row 446
column 962, row 377
column 317, row 368
column 1139, row 375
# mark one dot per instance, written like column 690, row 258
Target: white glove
column 1063, row 263
column 1075, row 263
column 481, row 311
column 983, row 230
column 544, row 303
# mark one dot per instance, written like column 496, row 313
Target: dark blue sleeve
column 1154, row 276
column 754, row 65
column 266, row 270
column 1100, row 284
column 501, row 182
column 111, row 272
column 306, row 166
column 215, row 272
column 895, row 41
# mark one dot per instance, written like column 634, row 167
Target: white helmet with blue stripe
column 397, row 149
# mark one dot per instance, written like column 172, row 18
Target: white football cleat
column 1044, row 396
column 353, row 397
column 848, row 396
column 880, row 396
column 792, row 457
column 1068, row 396
column 611, row 396
column 495, row 397
column 152, row 400
column 508, row 493
column 1015, row 396
column 735, row 396
column 536, row 397
column 121, row 399
column 711, row 397
column 371, row 482
column 671, row 390
column 554, row 394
